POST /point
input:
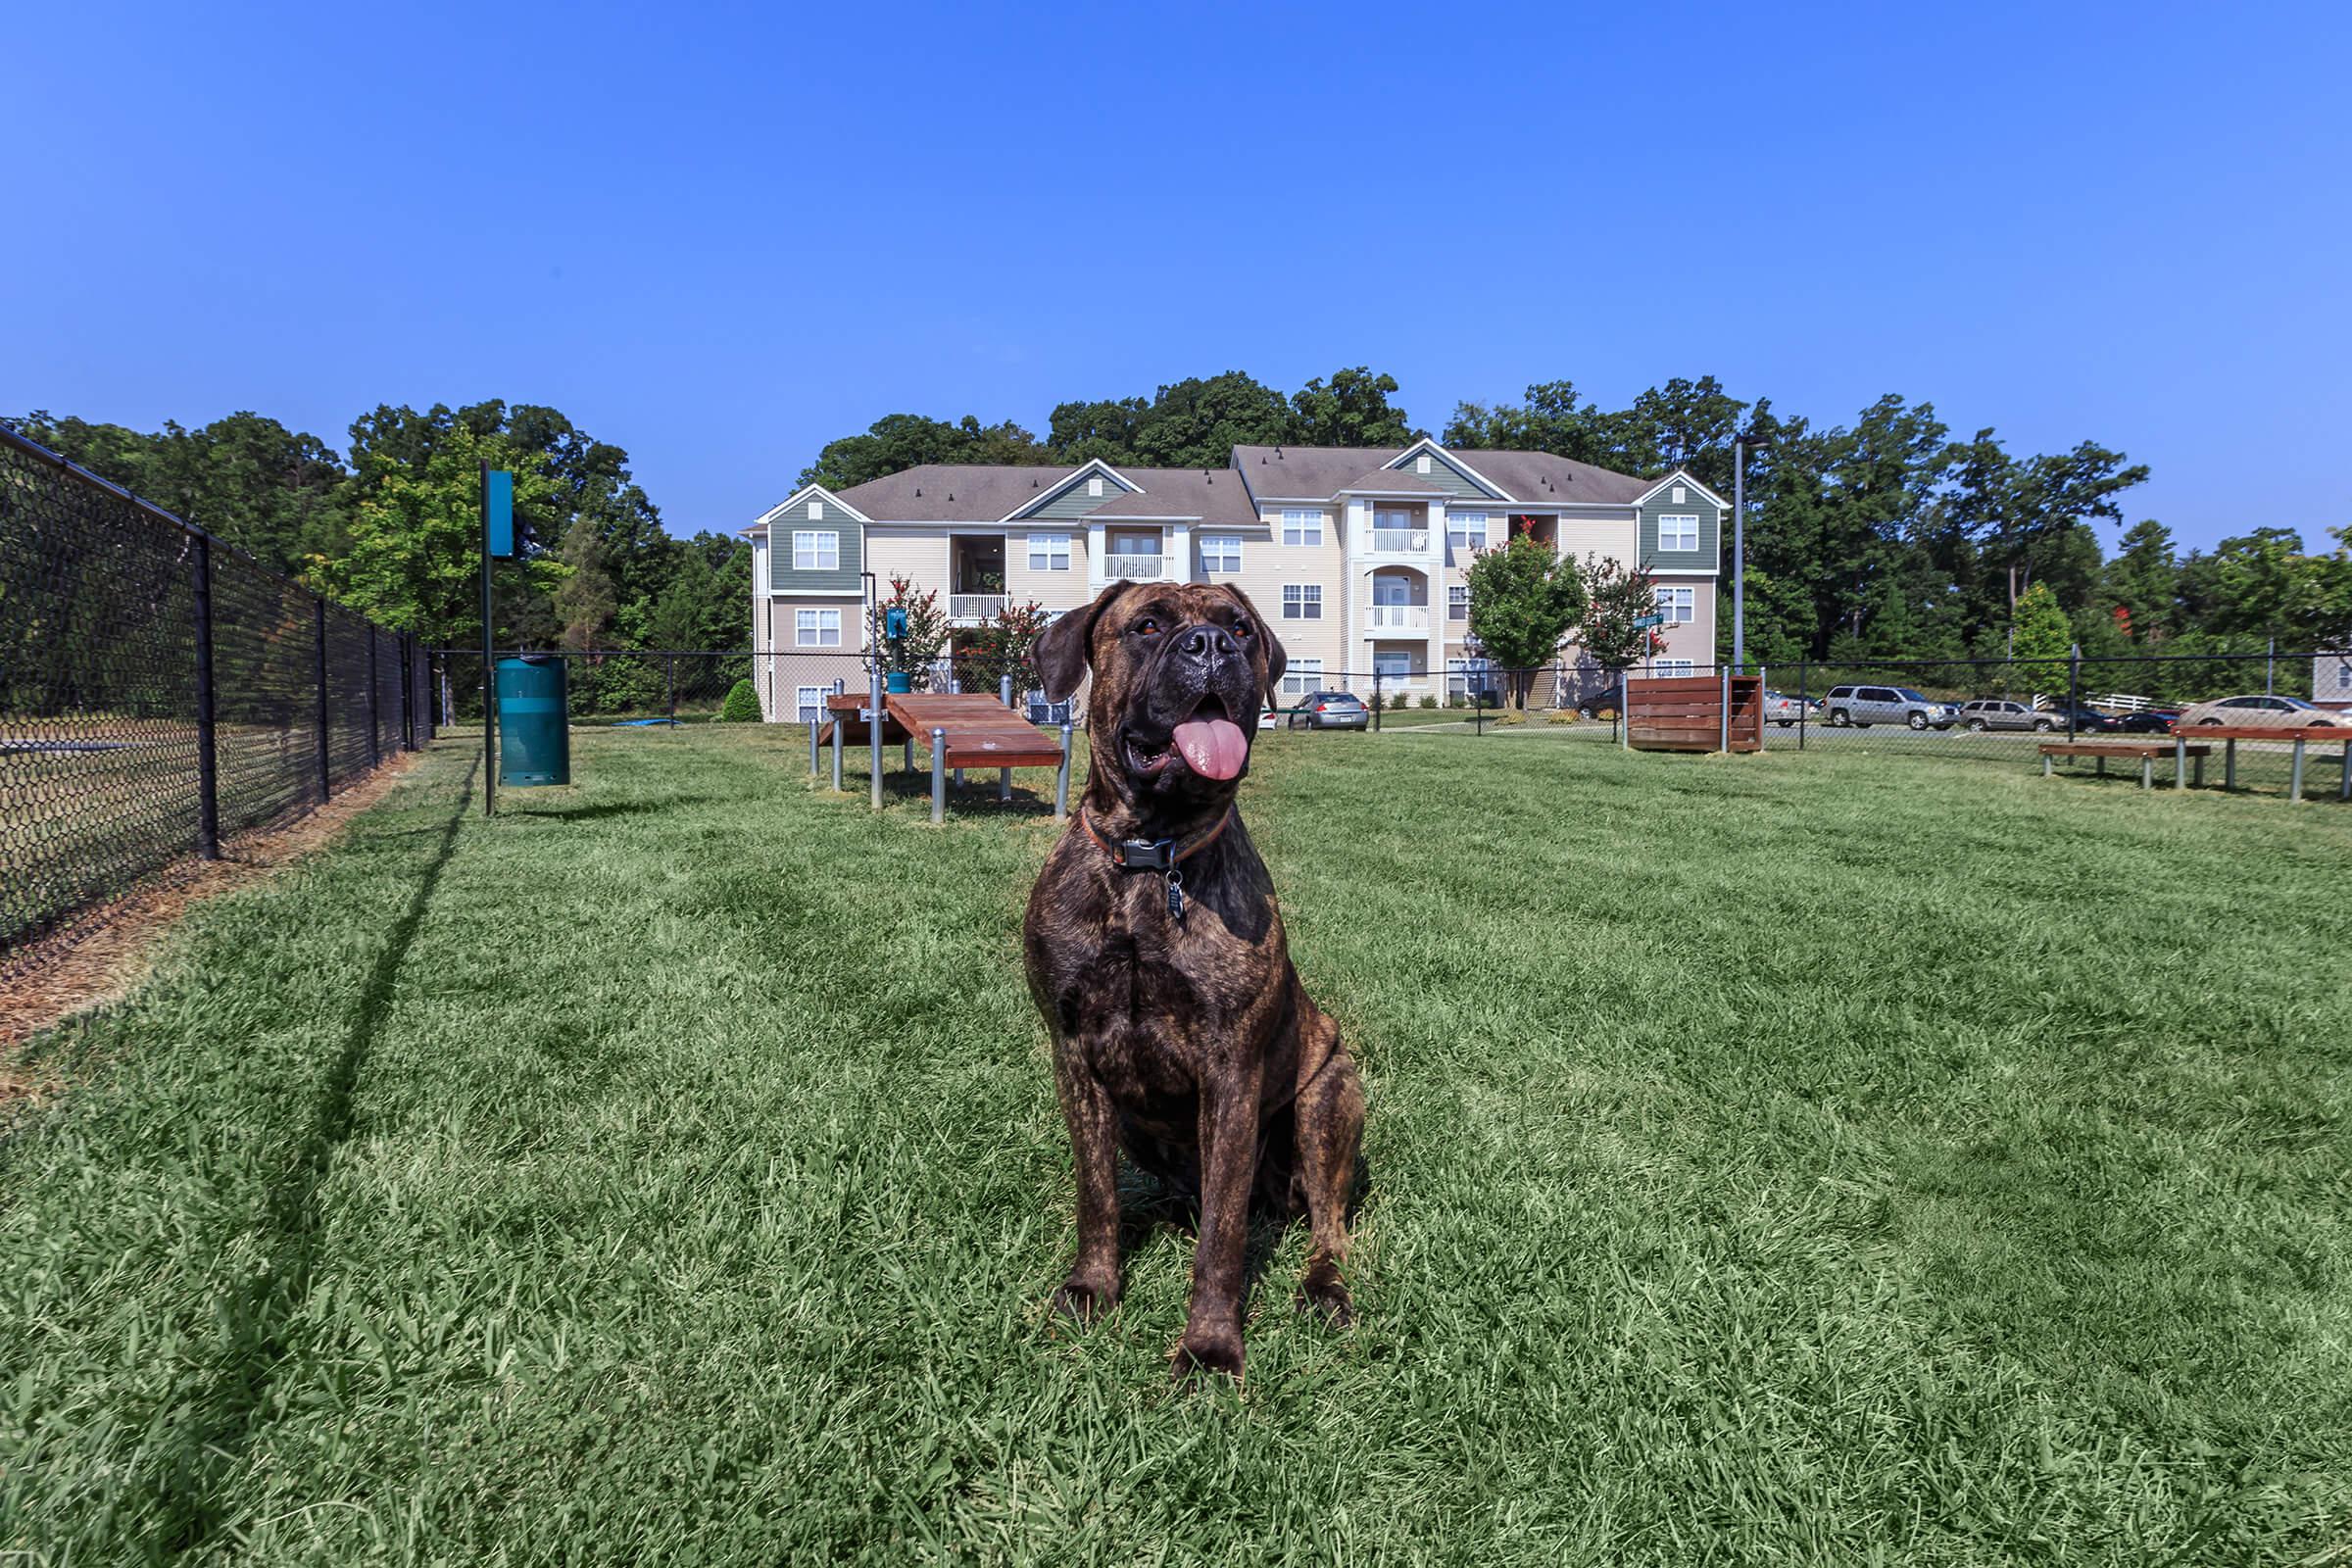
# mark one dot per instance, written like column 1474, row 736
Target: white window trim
column 801, row 637
column 816, row 511
column 1458, row 598
column 1226, row 547
column 1673, row 667
column 1458, row 526
column 1691, row 532
column 1049, row 552
column 1678, row 606
column 817, row 538
column 1306, row 605
column 1093, row 485
column 1300, row 676
column 1302, row 528
column 803, row 709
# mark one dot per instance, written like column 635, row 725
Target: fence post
column 1625, row 712
column 376, row 717
column 208, row 770
column 1377, row 702
column 1062, row 778
column 669, row 686
column 1723, row 715
column 408, row 689
column 318, row 650
column 1763, row 684
column 2073, row 685
column 812, row 743
column 1804, row 702
column 873, row 734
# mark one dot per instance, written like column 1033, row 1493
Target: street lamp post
column 1740, row 449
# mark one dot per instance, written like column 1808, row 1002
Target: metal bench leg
column 959, row 781
column 812, row 763
column 2102, row 768
column 2229, row 763
column 2294, row 785
column 2343, row 788
column 1003, row 783
column 2045, row 765
column 2196, row 771
column 837, row 754
column 2147, row 773
column 2180, row 765
column 908, row 745
column 939, row 775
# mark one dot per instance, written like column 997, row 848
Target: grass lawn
column 1829, row 1158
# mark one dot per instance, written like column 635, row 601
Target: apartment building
column 1355, row 556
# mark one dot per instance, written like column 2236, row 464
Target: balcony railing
column 1397, row 618
column 1402, row 541
column 1116, row 565
column 975, row 606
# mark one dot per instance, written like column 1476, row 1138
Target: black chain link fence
column 160, row 692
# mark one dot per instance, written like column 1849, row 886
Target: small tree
column 915, row 653
column 742, row 705
column 2040, row 631
column 1618, row 596
column 1523, row 599
column 1006, row 646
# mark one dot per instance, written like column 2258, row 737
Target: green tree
column 1523, row 599
column 1616, row 596
column 1006, row 646
column 915, row 652
column 585, row 602
column 1352, row 410
column 742, row 704
column 901, row 441
column 2040, row 632
column 2143, row 581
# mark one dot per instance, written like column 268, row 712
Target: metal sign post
column 498, row 539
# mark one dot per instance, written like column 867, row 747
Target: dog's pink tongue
column 1213, row 748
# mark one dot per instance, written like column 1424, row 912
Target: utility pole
column 1740, row 450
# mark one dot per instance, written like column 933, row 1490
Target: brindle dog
column 1181, row 1033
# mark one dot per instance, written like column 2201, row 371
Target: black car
column 1331, row 710
column 2086, row 721
column 2147, row 721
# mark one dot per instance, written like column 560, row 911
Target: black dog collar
column 1157, row 855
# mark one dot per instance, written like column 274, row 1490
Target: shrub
column 1510, row 715
column 1395, row 701
column 1562, row 715
column 742, row 705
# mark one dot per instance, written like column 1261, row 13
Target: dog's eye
column 1240, row 628
column 1149, row 627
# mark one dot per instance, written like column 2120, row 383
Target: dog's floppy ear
column 1276, row 660
column 1064, row 648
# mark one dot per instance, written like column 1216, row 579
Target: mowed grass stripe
column 1805, row 1159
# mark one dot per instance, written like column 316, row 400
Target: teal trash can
column 534, row 734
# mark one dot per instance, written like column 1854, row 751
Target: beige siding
column 1267, row 563
column 1694, row 641
column 1055, row 590
column 1613, row 539
column 919, row 555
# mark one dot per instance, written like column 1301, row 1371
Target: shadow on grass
column 228, row 1412
column 977, row 797
column 602, row 811
column 1150, row 1210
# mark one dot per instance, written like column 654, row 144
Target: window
column 1421, row 464
column 1300, row 527
column 1671, row 667
column 1303, row 601
column 1094, row 486
column 816, row 511
column 1678, row 495
column 1466, row 530
column 812, row 551
column 1678, row 531
column 1464, row 677
column 1457, row 603
column 1300, row 676
column 808, row 701
column 1393, row 664
column 816, row 628
column 1677, row 606
column 1049, row 552
column 1220, row 552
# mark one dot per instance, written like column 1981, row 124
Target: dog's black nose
column 1209, row 642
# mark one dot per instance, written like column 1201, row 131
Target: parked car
column 1864, row 706
column 1331, row 710
column 2277, row 712
column 1999, row 713
column 1784, row 709
column 2148, row 721
column 1269, row 717
column 2087, row 720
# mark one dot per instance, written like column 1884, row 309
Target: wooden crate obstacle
column 1694, row 713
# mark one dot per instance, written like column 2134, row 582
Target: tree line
column 1882, row 537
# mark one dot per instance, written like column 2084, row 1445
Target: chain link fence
column 160, row 692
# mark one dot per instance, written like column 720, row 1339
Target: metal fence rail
column 161, row 691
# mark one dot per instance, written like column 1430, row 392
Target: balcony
column 976, row 607
column 1401, row 541
column 1396, row 617
column 1118, row 563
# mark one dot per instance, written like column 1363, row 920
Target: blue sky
column 720, row 236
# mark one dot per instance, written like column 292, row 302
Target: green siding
column 1710, row 531
column 781, row 575
column 1442, row 472
column 1072, row 501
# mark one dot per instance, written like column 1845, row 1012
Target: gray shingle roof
column 953, row 492
column 1536, row 477
column 1213, row 494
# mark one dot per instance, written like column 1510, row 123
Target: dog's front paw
column 1083, row 1302
column 1207, row 1352
column 1323, row 1292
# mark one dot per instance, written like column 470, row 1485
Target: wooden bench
column 2302, row 735
column 2146, row 751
